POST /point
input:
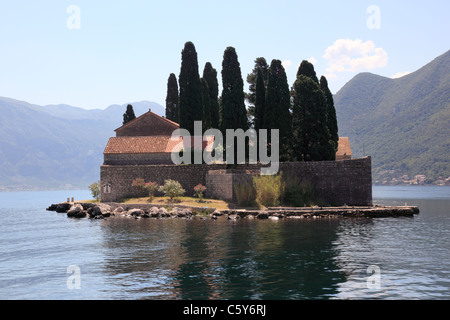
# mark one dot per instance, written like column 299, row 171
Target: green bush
column 268, row 189
column 95, row 190
column 245, row 194
column 296, row 192
column 172, row 189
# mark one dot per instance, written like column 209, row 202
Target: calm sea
column 45, row 255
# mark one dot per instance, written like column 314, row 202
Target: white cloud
column 347, row 55
column 286, row 64
column 400, row 74
column 312, row 60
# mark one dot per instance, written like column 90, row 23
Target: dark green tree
column 260, row 63
column 210, row 75
column 206, row 103
column 172, row 99
column 306, row 68
column 260, row 101
column 331, row 112
column 129, row 114
column 277, row 114
column 312, row 140
column 233, row 111
column 234, row 114
column 190, row 108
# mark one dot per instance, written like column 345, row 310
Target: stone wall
column 137, row 158
column 335, row 182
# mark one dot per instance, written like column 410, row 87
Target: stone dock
column 106, row 210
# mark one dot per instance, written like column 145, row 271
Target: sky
column 96, row 53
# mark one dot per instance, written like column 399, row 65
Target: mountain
column 56, row 146
column 404, row 123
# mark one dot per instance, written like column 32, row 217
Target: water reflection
column 204, row 259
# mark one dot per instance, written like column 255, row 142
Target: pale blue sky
column 125, row 50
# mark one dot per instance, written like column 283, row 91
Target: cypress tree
column 306, row 68
column 129, row 114
column 331, row 113
column 260, row 63
column 233, row 111
column 277, row 114
column 172, row 99
column 234, row 114
column 190, row 108
column 311, row 135
column 210, row 75
column 206, row 102
column 260, row 101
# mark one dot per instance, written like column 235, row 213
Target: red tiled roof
column 344, row 147
column 150, row 144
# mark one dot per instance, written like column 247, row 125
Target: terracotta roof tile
column 344, row 147
column 149, row 144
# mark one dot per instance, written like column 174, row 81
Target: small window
column 107, row 188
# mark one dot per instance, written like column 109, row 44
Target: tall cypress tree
column 190, row 89
column 210, row 75
column 311, row 135
column 206, row 102
column 129, row 114
column 172, row 99
column 306, row 68
column 260, row 63
column 277, row 114
column 260, row 101
column 234, row 114
column 233, row 111
column 331, row 113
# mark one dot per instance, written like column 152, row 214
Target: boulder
column 63, row 207
column 75, row 210
column 136, row 212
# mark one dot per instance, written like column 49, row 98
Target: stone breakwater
column 138, row 211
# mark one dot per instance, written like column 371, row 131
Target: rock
column 154, row 212
column 184, row 213
column 163, row 212
column 81, row 214
column 136, row 212
column 63, row 207
column 75, row 210
column 118, row 210
column 52, row 207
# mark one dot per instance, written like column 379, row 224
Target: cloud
column 400, row 74
column 312, row 60
column 286, row 64
column 346, row 55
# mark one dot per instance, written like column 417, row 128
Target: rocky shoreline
column 80, row 210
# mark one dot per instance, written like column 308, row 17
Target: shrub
column 245, row 194
column 151, row 187
column 296, row 192
column 95, row 190
column 268, row 189
column 172, row 189
column 139, row 184
column 199, row 189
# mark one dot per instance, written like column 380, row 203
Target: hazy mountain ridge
column 402, row 123
column 54, row 147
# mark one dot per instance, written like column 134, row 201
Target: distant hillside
column 54, row 147
column 404, row 124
